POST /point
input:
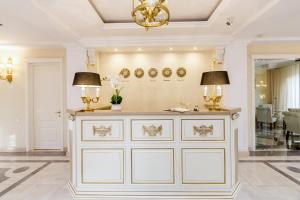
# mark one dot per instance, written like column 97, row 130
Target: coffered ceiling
column 107, row 23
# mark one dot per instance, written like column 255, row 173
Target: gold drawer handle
column 203, row 130
column 152, row 130
column 102, row 130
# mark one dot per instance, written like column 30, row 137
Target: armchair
column 292, row 125
column 264, row 115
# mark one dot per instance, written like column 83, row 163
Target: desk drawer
column 152, row 130
column 203, row 129
column 102, row 130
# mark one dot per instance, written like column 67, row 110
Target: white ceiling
column 190, row 10
column 59, row 22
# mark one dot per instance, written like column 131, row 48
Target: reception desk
column 154, row 155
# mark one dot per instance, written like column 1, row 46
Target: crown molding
column 129, row 41
column 267, row 40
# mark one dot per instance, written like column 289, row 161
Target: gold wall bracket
column 8, row 74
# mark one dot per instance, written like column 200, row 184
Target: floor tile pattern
column 262, row 178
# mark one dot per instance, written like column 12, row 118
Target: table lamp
column 215, row 78
column 88, row 80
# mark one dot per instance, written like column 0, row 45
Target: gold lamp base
column 88, row 100
column 215, row 103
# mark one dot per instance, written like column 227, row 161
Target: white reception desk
column 154, row 155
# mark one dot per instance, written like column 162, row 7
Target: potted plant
column 116, row 99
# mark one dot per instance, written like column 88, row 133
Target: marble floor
column 45, row 178
column 270, row 139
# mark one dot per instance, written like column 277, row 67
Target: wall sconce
column 6, row 71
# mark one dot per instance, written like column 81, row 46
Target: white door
column 47, row 106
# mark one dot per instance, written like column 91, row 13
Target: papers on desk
column 181, row 110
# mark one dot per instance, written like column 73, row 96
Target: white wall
column 236, row 95
column 158, row 93
column 75, row 62
column 13, row 96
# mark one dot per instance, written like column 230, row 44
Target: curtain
column 285, row 87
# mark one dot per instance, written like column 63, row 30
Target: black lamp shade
column 215, row 78
column 87, row 79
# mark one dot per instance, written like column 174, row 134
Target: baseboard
column 154, row 195
column 243, row 153
column 9, row 149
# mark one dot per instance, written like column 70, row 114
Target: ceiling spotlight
column 171, row 49
column 229, row 21
column 116, row 50
column 195, row 48
column 139, row 49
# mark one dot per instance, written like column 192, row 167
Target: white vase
column 116, row 107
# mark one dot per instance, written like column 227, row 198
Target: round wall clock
column 167, row 72
column 139, row 72
column 181, row 72
column 125, row 72
column 152, row 72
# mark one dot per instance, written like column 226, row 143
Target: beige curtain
column 285, row 87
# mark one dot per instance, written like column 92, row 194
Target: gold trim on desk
column 163, row 140
column 201, row 183
column 122, row 172
column 199, row 139
column 152, row 182
column 120, row 139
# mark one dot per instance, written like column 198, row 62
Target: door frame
column 252, row 145
column 29, row 106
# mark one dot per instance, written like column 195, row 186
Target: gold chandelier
column 150, row 13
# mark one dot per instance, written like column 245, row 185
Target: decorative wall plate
column 181, row 72
column 153, row 72
column 125, row 72
column 167, row 72
column 139, row 72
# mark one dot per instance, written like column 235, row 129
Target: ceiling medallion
column 150, row 13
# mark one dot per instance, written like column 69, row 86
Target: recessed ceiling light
column 171, row 49
column 139, row 49
column 116, row 50
column 1, row 24
column 195, row 48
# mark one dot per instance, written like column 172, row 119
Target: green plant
column 115, row 84
column 116, row 99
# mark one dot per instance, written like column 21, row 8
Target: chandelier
column 150, row 13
